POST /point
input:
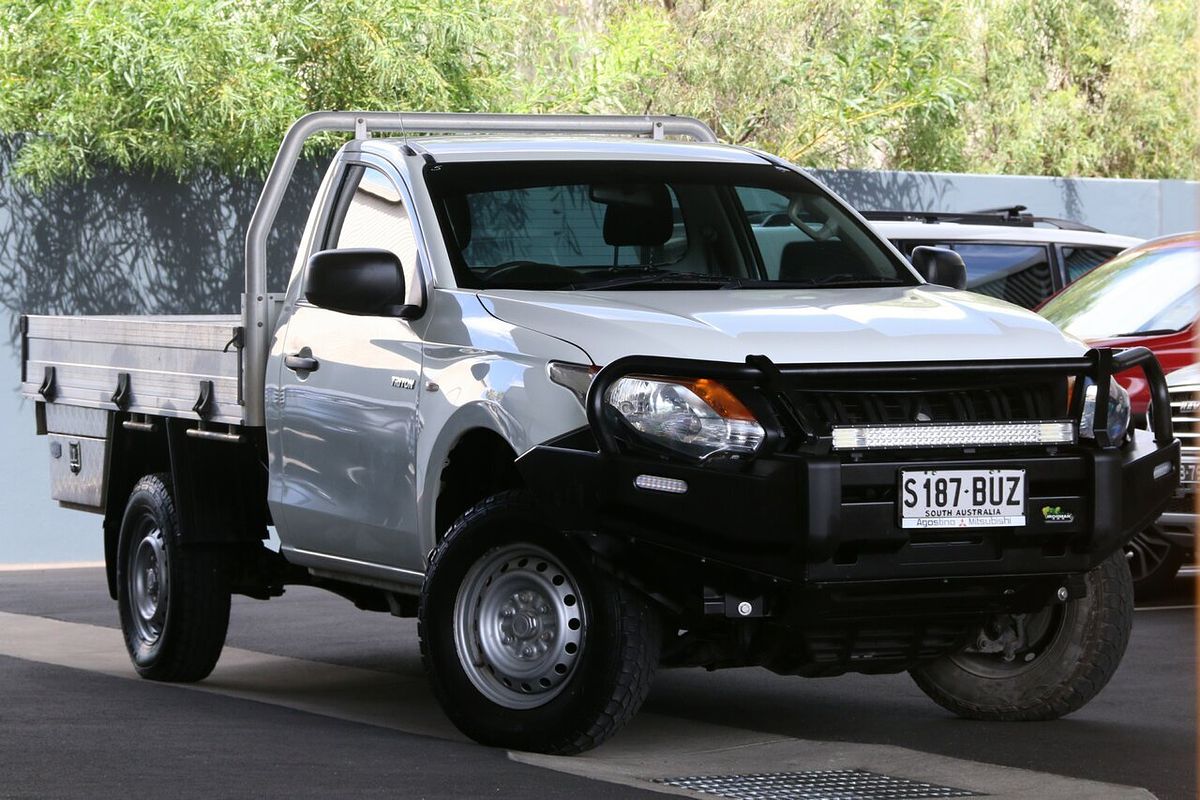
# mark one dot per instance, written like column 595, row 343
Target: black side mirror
column 941, row 266
column 364, row 282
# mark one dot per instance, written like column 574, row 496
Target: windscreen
column 613, row 225
column 1146, row 293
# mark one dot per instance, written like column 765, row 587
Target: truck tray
column 173, row 366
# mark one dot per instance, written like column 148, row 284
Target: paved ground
column 314, row 698
column 70, row 733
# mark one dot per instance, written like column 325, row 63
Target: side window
column 1018, row 273
column 1082, row 260
column 375, row 217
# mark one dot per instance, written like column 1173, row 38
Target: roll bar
column 361, row 123
column 1160, row 396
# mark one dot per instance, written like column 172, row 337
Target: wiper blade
column 840, row 280
column 674, row 277
column 1150, row 332
column 655, row 276
column 865, row 283
column 850, row 278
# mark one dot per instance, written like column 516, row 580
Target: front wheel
column 527, row 644
column 174, row 600
column 1039, row 666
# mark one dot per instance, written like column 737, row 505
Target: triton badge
column 403, row 383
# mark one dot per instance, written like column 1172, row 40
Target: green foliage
column 569, row 60
column 1098, row 87
column 829, row 83
column 176, row 85
column 1104, row 87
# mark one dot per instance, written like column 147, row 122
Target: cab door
column 349, row 388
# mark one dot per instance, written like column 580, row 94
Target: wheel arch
column 479, row 462
column 219, row 487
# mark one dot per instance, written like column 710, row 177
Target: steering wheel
column 524, row 271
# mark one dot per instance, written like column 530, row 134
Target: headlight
column 1119, row 411
column 698, row 418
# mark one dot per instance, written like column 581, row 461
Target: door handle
column 302, row 362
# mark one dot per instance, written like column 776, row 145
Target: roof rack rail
column 1008, row 215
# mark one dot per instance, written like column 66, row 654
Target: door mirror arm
column 416, row 309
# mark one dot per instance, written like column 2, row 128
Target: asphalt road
column 79, row 733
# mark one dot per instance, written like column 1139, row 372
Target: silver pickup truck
column 588, row 399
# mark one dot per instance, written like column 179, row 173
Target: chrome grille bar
column 1185, row 416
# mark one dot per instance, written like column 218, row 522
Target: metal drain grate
column 819, row 784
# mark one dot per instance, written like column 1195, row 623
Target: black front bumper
column 811, row 537
column 820, row 522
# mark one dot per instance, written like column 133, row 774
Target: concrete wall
column 116, row 243
column 1131, row 207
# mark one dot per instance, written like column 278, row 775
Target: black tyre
column 527, row 644
column 1067, row 654
column 1153, row 562
column 174, row 600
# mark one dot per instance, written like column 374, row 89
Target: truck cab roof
column 466, row 148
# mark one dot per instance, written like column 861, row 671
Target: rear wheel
column 173, row 600
column 1039, row 666
column 1153, row 561
column 527, row 644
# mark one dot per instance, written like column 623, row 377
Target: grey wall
column 137, row 243
column 1131, row 207
column 114, row 244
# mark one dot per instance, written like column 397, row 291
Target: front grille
column 1185, row 416
column 823, row 409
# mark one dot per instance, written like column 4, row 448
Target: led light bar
column 952, row 434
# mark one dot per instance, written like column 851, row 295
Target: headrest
column 459, row 212
column 647, row 221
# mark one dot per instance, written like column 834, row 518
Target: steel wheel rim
column 1146, row 552
column 519, row 626
column 149, row 584
column 1043, row 630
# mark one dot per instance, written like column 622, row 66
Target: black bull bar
column 795, row 518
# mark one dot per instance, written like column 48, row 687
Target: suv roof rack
column 1009, row 215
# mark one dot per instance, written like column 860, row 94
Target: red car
column 1147, row 296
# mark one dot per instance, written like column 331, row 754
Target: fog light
column 657, row 483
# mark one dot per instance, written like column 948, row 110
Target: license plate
column 962, row 498
column 1188, row 472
